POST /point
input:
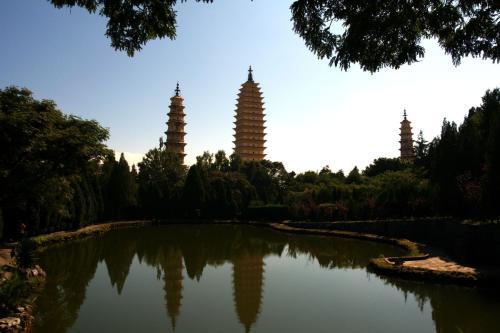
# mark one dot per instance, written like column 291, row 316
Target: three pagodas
column 249, row 125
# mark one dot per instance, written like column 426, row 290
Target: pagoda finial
column 404, row 113
column 177, row 90
column 250, row 76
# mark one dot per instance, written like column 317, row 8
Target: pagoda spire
column 177, row 90
column 250, row 74
column 406, row 142
column 249, row 130
column 175, row 125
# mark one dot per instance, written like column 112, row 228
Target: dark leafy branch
column 373, row 34
column 388, row 33
column 132, row 23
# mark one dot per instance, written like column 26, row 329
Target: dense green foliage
column 463, row 164
column 56, row 173
column 160, row 181
column 25, row 253
column 375, row 34
column 51, row 171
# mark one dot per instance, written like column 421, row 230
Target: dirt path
column 439, row 264
column 5, row 257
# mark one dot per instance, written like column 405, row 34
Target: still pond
column 223, row 278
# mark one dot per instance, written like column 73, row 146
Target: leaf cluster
column 388, row 33
column 132, row 23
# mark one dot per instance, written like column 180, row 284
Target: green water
column 221, row 278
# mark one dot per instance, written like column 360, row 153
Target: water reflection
column 181, row 253
column 248, row 277
column 172, row 267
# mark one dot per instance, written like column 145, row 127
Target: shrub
column 13, row 292
column 1, row 224
column 25, row 253
column 274, row 212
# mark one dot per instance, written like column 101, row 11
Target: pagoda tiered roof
column 406, row 142
column 175, row 125
column 249, row 125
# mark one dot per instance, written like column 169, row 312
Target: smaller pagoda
column 406, row 142
column 175, row 125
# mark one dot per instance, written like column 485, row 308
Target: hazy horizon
column 316, row 115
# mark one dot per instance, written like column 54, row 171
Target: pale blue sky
column 316, row 115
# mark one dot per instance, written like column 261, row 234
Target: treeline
column 56, row 173
column 55, row 170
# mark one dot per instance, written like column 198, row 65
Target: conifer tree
column 194, row 192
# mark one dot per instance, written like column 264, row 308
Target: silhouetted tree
column 377, row 34
column 221, row 161
column 121, row 190
column 193, row 196
column 383, row 164
column 160, row 179
column 353, row 176
column 421, row 150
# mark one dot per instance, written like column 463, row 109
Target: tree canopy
column 47, row 164
column 388, row 33
column 373, row 34
column 132, row 23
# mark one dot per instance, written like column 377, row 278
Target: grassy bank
column 412, row 248
column 43, row 241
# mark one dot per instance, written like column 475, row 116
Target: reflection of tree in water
column 172, row 267
column 71, row 267
column 454, row 308
column 248, row 276
column 338, row 252
column 118, row 252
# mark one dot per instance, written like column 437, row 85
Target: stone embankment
column 43, row 241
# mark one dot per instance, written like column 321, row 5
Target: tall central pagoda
column 175, row 125
column 407, row 151
column 249, row 130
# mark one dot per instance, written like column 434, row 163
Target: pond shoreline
column 415, row 266
column 405, row 266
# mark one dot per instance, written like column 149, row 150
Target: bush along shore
column 22, row 279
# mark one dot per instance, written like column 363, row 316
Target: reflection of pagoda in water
column 172, row 268
column 248, row 277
